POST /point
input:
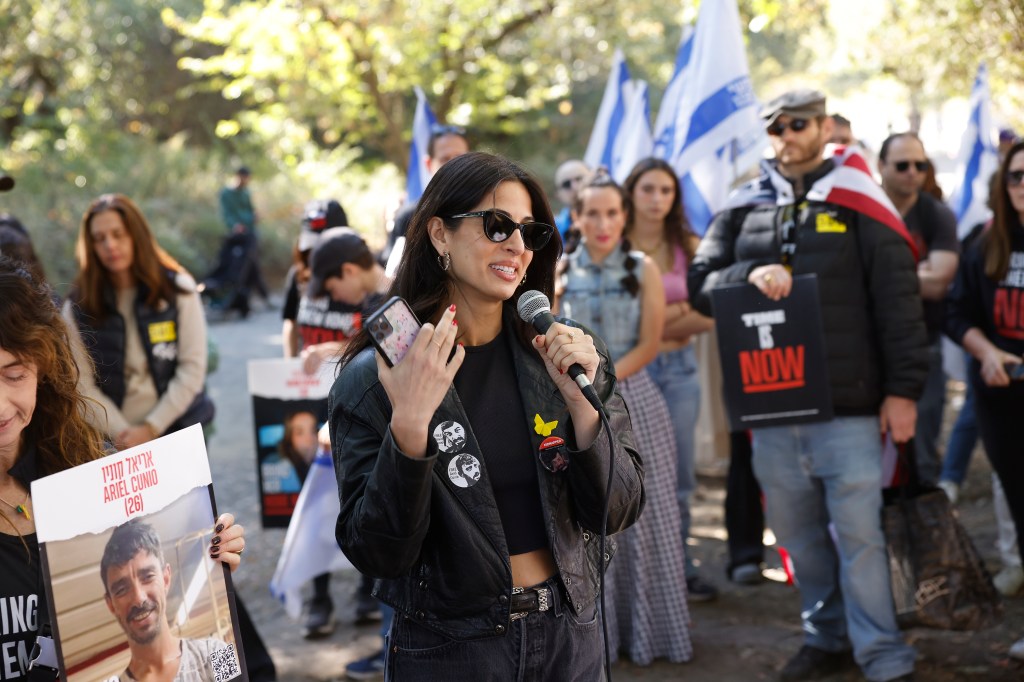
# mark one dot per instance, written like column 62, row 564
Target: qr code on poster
column 225, row 664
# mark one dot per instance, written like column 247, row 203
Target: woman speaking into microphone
column 486, row 544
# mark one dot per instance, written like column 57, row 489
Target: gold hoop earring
column 444, row 261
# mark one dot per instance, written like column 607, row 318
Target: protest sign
column 124, row 543
column 289, row 407
column 773, row 355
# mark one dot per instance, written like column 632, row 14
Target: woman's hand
column 993, row 366
column 418, row 383
column 228, row 542
column 774, row 280
column 136, row 435
column 560, row 348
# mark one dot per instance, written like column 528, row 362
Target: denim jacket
column 594, row 296
column 436, row 545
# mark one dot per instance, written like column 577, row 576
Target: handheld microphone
column 535, row 309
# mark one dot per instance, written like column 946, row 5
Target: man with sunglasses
column 568, row 178
column 807, row 214
column 903, row 165
column 446, row 143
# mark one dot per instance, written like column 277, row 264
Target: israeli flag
column 634, row 141
column 309, row 545
column 708, row 127
column 422, row 123
column 977, row 161
column 665, row 124
column 610, row 115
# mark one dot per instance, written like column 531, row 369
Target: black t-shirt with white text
column 323, row 319
column 21, row 598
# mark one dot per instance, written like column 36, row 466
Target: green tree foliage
column 934, row 47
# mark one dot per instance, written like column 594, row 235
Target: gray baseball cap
column 336, row 246
column 803, row 103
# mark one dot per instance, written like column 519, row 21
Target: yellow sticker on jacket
column 542, row 427
column 826, row 223
column 162, row 332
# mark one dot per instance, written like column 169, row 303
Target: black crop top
column 487, row 386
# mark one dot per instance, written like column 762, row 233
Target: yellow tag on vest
column 162, row 332
column 826, row 223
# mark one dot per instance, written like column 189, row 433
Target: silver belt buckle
column 543, row 601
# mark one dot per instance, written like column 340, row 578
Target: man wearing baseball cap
column 345, row 284
column 811, row 215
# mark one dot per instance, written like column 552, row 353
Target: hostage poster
column 773, row 355
column 289, row 407
column 124, row 543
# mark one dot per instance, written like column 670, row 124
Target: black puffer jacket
column 439, row 549
column 875, row 338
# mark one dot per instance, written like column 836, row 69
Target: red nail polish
column 561, row 371
column 455, row 323
column 452, row 307
column 460, row 344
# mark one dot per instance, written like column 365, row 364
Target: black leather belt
column 528, row 600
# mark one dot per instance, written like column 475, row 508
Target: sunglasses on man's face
column 796, row 125
column 904, row 166
column 441, row 129
column 569, row 182
column 1014, row 177
column 499, row 226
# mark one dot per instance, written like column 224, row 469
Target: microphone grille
column 532, row 303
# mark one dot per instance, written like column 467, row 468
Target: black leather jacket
column 439, row 549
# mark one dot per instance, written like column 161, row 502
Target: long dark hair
column 32, row 330
column 457, row 187
column 677, row 228
column 600, row 179
column 996, row 242
column 149, row 261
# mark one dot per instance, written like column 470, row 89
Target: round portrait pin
column 450, row 436
column 464, row 470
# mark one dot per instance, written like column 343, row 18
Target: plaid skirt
column 645, row 585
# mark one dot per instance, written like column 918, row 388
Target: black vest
column 105, row 341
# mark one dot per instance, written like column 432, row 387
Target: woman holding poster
column 618, row 293
column 483, row 536
column 985, row 314
column 141, row 325
column 42, row 431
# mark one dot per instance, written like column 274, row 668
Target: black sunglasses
column 904, row 166
column 440, row 129
column 1014, row 178
column 499, row 226
column 569, row 182
column 796, row 125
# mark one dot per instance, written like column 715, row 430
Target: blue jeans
column 814, row 474
column 545, row 645
column 962, row 439
column 675, row 374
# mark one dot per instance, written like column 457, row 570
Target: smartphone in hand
column 392, row 329
column 1014, row 371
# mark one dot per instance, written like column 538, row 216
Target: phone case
column 392, row 330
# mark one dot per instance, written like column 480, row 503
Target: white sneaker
column 1017, row 650
column 1009, row 581
column 951, row 489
